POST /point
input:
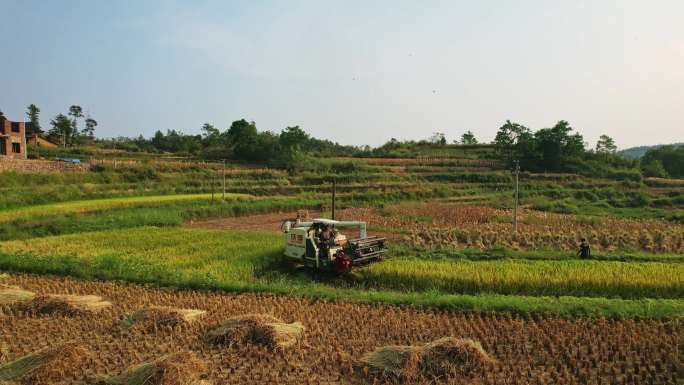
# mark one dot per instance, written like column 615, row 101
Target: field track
column 534, row 350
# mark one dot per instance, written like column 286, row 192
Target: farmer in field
column 326, row 239
column 584, row 249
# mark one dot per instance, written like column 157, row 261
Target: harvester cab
column 318, row 244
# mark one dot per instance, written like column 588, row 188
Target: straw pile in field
column 45, row 366
column 12, row 294
column 446, row 357
column 67, row 305
column 257, row 329
column 4, row 352
column 155, row 317
column 174, row 369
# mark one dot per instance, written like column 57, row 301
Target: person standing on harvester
column 584, row 249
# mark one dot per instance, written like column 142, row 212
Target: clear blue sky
column 357, row 72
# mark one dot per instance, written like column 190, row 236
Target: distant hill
column 638, row 152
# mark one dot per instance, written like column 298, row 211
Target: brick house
column 12, row 139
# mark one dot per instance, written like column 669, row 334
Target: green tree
column 242, row 138
column 75, row 112
column 655, row 169
column 267, row 146
column 438, row 138
column 555, row 146
column 33, row 116
column 2, row 117
column 468, row 138
column 214, row 143
column 62, row 130
column 515, row 142
column 293, row 137
column 671, row 159
column 89, row 130
column 210, row 133
column 606, row 145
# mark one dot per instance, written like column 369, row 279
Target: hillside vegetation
column 445, row 207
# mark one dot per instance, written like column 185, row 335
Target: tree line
column 554, row 149
column 242, row 142
column 560, row 149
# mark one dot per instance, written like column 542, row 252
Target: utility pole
column 516, row 172
column 211, row 186
column 224, row 179
column 334, row 187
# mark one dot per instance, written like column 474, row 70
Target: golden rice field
column 232, row 258
column 523, row 277
column 525, row 349
column 443, row 225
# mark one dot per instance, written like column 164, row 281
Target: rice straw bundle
column 446, row 357
column 257, row 329
column 174, row 369
column 12, row 294
column 45, row 366
column 67, row 305
column 154, row 317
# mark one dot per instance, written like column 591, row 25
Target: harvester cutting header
column 318, row 244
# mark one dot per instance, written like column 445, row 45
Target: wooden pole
column 516, row 171
column 211, row 187
column 224, row 179
column 334, row 187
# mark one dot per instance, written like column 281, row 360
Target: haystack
column 45, row 366
column 155, row 317
column 446, row 357
column 67, row 305
column 13, row 294
column 4, row 352
column 174, row 369
column 258, row 329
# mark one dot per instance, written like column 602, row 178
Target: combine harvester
column 317, row 244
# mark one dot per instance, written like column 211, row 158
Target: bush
column 655, row 169
column 140, row 175
column 97, row 168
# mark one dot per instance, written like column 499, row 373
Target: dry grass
column 4, row 352
column 174, row 369
column 530, row 350
column 13, row 294
column 66, row 305
column 45, row 366
column 155, row 317
column 259, row 329
column 447, row 357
